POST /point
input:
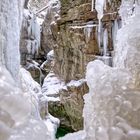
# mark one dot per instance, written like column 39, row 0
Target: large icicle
column 99, row 6
column 105, row 43
column 92, row 5
column 115, row 28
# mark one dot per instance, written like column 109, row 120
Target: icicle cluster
column 31, row 32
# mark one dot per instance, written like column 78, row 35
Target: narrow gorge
column 69, row 70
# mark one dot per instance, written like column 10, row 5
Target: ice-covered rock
column 30, row 37
column 49, row 63
column 65, row 101
column 52, row 15
column 52, row 84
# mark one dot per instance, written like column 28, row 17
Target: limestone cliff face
column 74, row 36
column 71, row 30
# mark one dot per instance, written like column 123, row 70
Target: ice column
column 92, row 5
column 105, row 43
column 99, row 6
column 114, row 31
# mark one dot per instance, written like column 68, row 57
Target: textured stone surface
column 73, row 42
column 71, row 31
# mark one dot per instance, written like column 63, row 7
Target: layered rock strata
column 71, row 30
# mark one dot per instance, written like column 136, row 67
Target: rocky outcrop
column 78, row 39
column 65, row 100
column 72, row 32
column 30, row 45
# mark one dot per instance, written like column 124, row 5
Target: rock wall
column 73, row 36
column 71, row 29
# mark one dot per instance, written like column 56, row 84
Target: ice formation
column 127, row 49
column 9, row 40
column 31, row 32
column 99, row 6
column 127, row 9
column 102, row 34
column 110, row 102
column 112, row 108
column 19, row 93
column 115, row 29
column 105, row 43
column 88, row 28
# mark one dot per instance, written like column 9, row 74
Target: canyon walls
column 71, row 29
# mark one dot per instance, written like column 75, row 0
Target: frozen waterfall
column 19, row 93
